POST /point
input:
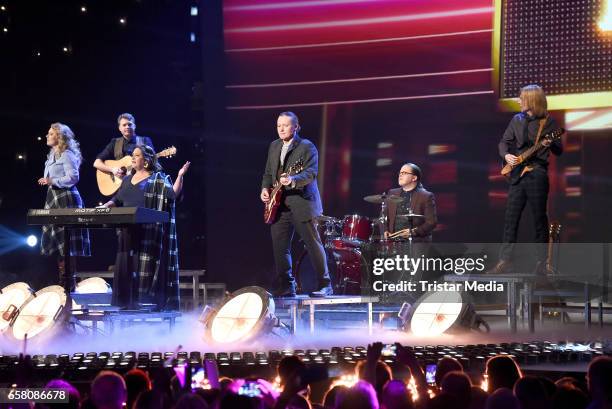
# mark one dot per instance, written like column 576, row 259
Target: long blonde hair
column 535, row 98
column 67, row 141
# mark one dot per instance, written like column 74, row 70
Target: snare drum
column 356, row 229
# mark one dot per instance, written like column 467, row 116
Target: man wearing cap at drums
column 415, row 217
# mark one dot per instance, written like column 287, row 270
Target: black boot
column 67, row 280
column 286, row 289
column 542, row 268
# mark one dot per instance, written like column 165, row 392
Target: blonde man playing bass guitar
column 530, row 127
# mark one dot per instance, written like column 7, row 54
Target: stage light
column 32, row 240
column 122, row 21
column 93, row 285
column 605, row 24
column 83, row 9
column 12, row 298
column 20, row 156
column 438, row 312
column 192, row 37
column 243, row 315
column 39, row 138
column 194, row 11
column 65, row 49
column 3, row 8
column 5, row 29
column 40, row 313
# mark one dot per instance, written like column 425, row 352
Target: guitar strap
column 119, row 148
column 542, row 122
column 529, row 168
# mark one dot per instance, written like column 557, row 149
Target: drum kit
column 346, row 239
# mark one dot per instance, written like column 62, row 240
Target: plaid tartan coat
column 53, row 237
column 158, row 265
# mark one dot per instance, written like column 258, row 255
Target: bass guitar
column 514, row 173
column 276, row 195
column 108, row 183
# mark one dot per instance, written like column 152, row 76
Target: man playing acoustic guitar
column 117, row 148
column 529, row 183
column 299, row 204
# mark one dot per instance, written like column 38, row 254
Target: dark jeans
column 282, row 235
column 533, row 189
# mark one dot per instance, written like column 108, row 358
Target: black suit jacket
column 303, row 200
column 423, row 202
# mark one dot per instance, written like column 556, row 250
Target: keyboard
column 94, row 217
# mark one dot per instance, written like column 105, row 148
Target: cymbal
column 327, row 219
column 378, row 199
column 409, row 216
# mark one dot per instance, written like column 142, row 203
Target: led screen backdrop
column 310, row 53
column 376, row 84
column 564, row 46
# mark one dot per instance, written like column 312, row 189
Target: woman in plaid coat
column 150, row 250
column 61, row 176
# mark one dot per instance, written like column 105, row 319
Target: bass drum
column 346, row 267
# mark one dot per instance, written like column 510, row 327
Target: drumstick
column 398, row 233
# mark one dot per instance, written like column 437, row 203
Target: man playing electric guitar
column 525, row 130
column 299, row 206
column 122, row 146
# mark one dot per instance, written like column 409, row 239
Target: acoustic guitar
column 108, row 183
column 514, row 173
column 276, row 195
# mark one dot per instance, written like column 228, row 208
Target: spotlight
column 122, row 21
column 194, row 10
column 83, row 9
column 32, row 240
column 3, row 8
column 5, row 29
column 93, row 285
column 93, row 290
column 40, row 313
column 605, row 23
column 12, row 298
column 243, row 315
column 438, row 312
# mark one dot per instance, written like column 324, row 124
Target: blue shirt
column 64, row 171
column 128, row 147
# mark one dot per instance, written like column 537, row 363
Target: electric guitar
column 514, row 173
column 108, row 183
column 276, row 194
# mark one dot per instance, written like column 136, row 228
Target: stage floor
column 188, row 335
